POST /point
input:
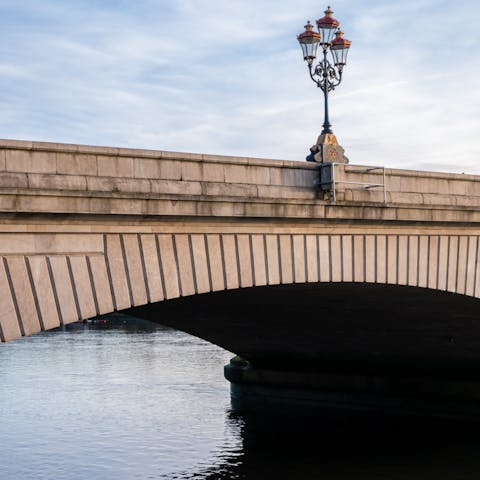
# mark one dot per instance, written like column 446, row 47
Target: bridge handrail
column 331, row 182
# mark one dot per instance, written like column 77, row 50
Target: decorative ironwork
column 326, row 75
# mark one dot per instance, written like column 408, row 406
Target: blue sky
column 227, row 77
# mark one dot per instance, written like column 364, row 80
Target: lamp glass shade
column 309, row 41
column 340, row 47
column 327, row 27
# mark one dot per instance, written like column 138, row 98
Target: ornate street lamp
column 327, row 76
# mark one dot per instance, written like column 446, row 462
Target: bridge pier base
column 261, row 390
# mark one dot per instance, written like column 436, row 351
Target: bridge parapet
column 60, row 178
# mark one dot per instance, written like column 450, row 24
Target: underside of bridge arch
column 335, row 327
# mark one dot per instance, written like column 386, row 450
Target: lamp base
column 327, row 150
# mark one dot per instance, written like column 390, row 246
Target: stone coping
column 208, row 158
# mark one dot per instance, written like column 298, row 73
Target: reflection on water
column 133, row 400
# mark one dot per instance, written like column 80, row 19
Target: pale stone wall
column 50, row 282
column 99, row 180
column 90, row 230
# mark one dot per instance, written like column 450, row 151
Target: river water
column 133, row 400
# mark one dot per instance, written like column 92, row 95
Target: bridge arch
column 112, row 272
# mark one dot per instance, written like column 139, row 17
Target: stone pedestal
column 327, row 150
column 310, row 392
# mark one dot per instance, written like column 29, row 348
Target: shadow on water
column 340, row 446
column 331, row 446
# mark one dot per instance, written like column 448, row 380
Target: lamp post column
column 326, row 76
column 327, row 128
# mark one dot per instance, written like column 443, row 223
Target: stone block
column 135, row 264
column 299, row 266
column 181, row 155
column 110, row 166
column 117, row 267
column 169, row 266
column 16, row 144
column 132, row 185
column 152, row 267
column 201, row 263
column 229, row 190
column 101, row 283
column 182, row 247
column 56, row 182
column 202, row 171
column 286, row 259
column 13, row 180
column 247, row 174
column 170, row 170
column 230, row 256
column 18, row 160
column 63, row 286
column 259, row 260
column 76, row 164
column 83, row 286
column 3, row 160
column 24, row 295
column 273, row 191
column 273, row 259
column 42, row 162
column 146, row 168
column 215, row 262
column 10, row 328
column 174, row 187
column 101, row 184
column 44, row 291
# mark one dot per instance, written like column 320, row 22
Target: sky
column 227, row 77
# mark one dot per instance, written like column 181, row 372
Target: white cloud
column 227, row 78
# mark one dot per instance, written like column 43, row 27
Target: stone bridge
column 249, row 253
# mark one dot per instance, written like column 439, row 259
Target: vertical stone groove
column 386, row 258
column 209, row 268
column 466, row 264
column 192, row 262
column 476, row 266
column 267, row 266
column 237, row 255
column 125, row 264
column 397, row 260
column 54, row 290
column 222, row 255
column 418, row 260
column 92, row 285
column 408, row 259
column 109, row 271
column 14, row 297
column 305, row 259
column 457, row 270
column 438, row 261
column 428, row 261
column 341, row 258
column 330, row 268
column 144, row 268
column 34, row 293
column 448, row 263
column 177, row 266
column 364, row 258
column 160, row 266
column 252, row 262
column 74, row 288
column 292, row 254
column 352, row 240
column 279, row 260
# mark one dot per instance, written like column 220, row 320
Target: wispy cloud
column 228, row 78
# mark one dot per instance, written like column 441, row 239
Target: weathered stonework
column 88, row 230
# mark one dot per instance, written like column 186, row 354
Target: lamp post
column 326, row 75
